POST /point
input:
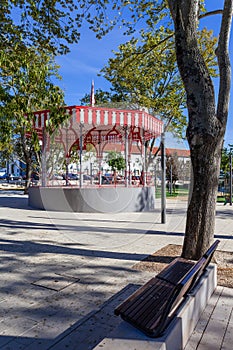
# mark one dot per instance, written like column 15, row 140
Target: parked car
column 86, row 177
column 13, row 177
column 3, row 176
column 120, row 179
column 135, row 180
column 105, row 180
column 71, row 176
column 57, row 177
column 35, row 176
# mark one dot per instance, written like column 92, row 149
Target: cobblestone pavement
column 63, row 273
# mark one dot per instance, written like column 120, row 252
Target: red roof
column 137, row 150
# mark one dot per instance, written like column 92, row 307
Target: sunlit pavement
column 63, row 273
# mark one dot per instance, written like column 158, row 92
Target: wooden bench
column 152, row 307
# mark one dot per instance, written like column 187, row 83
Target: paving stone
column 98, row 250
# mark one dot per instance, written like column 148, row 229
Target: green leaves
column 102, row 98
column 26, row 76
column 115, row 161
column 225, row 160
column 53, row 24
column 144, row 72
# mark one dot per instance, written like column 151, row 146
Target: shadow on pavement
column 10, row 200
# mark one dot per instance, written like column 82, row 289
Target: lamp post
column 230, row 160
column 171, row 179
column 43, row 159
column 80, row 155
column 163, row 180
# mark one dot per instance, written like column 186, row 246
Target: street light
column 171, row 178
column 230, row 160
column 163, row 180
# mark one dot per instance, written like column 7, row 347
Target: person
column 227, row 200
column 10, row 177
column 142, row 178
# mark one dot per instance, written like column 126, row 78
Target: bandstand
column 98, row 127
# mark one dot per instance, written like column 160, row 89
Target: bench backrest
column 187, row 283
column 201, row 265
column 191, row 278
column 154, row 304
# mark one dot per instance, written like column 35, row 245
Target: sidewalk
column 214, row 330
column 62, row 274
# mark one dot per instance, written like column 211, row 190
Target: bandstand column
column 67, row 169
column 100, row 156
column 130, row 137
column 129, row 169
column 67, row 151
column 100, row 172
column 43, row 159
column 163, row 178
column 143, row 153
column 80, row 155
column 126, row 155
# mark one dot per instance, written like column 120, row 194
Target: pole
column 80, row 156
column 230, row 161
column 91, row 172
column 143, row 152
column 230, row 178
column 163, row 180
column 171, row 179
column 100, row 158
column 67, row 171
column 126, row 156
column 67, row 155
column 43, row 158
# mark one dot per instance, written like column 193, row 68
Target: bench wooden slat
column 153, row 305
column 155, row 282
column 139, row 311
column 143, row 293
column 175, row 271
column 150, row 316
column 126, row 304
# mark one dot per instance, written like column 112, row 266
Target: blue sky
column 86, row 59
column 84, row 62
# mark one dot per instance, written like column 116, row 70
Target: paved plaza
column 62, row 274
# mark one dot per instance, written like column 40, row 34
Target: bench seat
column 153, row 305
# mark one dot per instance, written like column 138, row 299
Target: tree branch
column 207, row 14
column 211, row 13
column 222, row 53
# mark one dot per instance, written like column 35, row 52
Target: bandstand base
column 91, row 200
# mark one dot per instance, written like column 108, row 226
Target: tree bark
column 206, row 125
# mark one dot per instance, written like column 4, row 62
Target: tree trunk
column 206, row 125
column 201, row 210
column 28, row 175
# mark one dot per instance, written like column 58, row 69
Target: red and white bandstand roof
column 101, row 125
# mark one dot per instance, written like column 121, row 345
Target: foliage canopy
column 115, row 160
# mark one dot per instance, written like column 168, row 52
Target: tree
column 115, row 161
column 206, row 121
column 225, row 163
column 172, row 175
column 102, row 98
column 144, row 73
column 45, row 24
column 26, row 87
column 207, row 124
column 53, row 25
